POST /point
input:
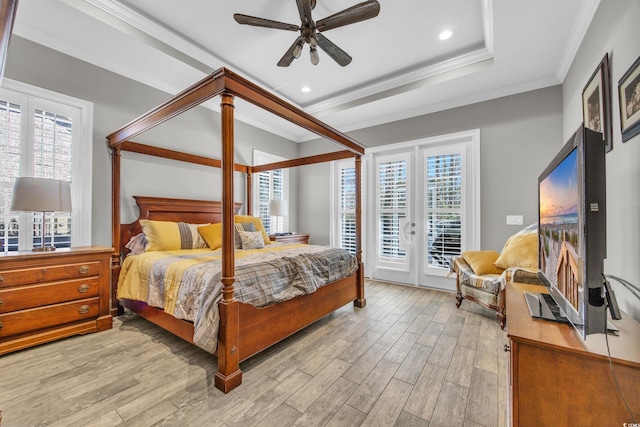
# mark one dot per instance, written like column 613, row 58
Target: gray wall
column 118, row 100
column 519, row 135
column 614, row 29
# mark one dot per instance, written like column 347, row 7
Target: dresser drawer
column 23, row 297
column 34, row 319
column 28, row 276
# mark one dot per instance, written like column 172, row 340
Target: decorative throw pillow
column 257, row 222
column 481, row 262
column 251, row 239
column 136, row 244
column 170, row 236
column 244, row 226
column 521, row 250
column 212, row 234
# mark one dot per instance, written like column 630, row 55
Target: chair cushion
column 488, row 282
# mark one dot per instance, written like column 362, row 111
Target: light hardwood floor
column 410, row 358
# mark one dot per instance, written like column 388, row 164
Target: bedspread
column 186, row 283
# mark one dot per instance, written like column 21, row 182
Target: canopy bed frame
column 240, row 333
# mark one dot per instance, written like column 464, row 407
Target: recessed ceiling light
column 445, row 35
column 306, row 89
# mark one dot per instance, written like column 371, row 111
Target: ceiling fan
column 311, row 32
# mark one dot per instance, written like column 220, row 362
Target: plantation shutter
column 52, row 159
column 270, row 187
column 347, row 214
column 392, row 208
column 38, row 143
column 443, row 208
column 10, row 161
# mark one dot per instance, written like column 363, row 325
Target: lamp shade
column 278, row 208
column 41, row 195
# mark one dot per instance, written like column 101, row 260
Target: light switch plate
column 515, row 220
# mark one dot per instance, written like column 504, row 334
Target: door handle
column 404, row 225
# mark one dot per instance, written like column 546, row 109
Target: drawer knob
column 83, row 288
column 1, row 325
column 84, row 309
column 84, row 269
column 0, row 301
column 1, row 279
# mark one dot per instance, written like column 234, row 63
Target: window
column 343, row 205
column 344, row 211
column 270, row 185
column 44, row 135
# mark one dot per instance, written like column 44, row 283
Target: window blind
column 443, row 208
column 43, row 149
column 10, row 155
column 392, row 205
column 270, row 187
column 347, row 226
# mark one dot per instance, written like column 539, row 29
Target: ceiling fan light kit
column 311, row 32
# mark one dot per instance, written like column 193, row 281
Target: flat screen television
column 572, row 231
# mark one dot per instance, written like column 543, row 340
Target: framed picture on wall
column 596, row 102
column 629, row 93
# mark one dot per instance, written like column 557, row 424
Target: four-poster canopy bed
column 241, row 332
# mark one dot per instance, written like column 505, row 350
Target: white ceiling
column 400, row 68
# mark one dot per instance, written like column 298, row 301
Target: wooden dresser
column 558, row 379
column 46, row 296
column 291, row 238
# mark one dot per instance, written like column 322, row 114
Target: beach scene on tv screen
column 559, row 242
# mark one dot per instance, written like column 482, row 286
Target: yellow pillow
column 212, row 234
column 481, row 262
column 171, row 236
column 521, row 250
column 257, row 222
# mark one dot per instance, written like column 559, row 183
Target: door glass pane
column 392, row 205
column 443, row 208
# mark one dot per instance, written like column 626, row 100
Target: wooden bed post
column 115, row 227
column 229, row 375
column 361, row 300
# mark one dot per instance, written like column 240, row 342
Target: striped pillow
column 170, row 236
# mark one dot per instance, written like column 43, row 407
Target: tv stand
column 558, row 379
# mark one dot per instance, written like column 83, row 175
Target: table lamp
column 278, row 208
column 41, row 195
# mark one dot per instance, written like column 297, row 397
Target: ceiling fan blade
column 290, row 54
column 304, row 9
column 261, row 22
column 359, row 12
column 338, row 55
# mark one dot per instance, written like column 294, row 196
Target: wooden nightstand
column 45, row 296
column 291, row 238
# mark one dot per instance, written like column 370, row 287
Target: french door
column 424, row 209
